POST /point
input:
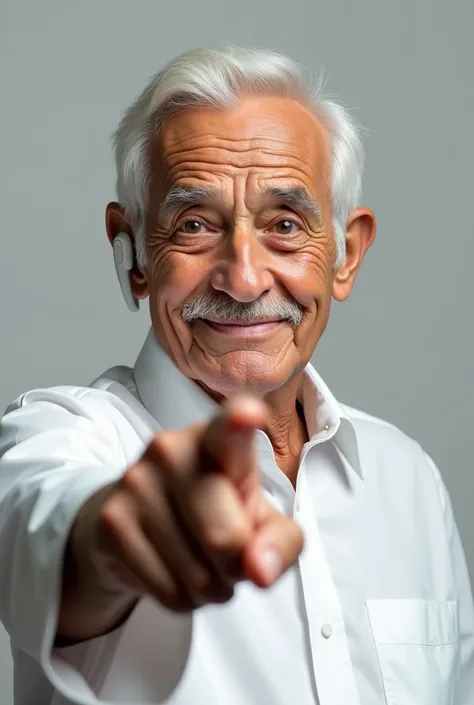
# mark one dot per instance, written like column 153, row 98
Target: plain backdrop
column 401, row 348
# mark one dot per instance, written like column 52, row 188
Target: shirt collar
column 175, row 401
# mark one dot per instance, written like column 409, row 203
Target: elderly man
column 212, row 526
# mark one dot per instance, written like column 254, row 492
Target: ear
column 360, row 234
column 117, row 221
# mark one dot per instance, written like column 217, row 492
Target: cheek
column 174, row 278
column 307, row 277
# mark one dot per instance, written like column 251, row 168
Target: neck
column 286, row 427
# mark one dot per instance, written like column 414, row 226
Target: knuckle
column 157, row 446
column 111, row 516
column 164, row 449
column 142, row 483
column 134, row 481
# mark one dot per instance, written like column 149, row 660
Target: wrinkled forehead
column 261, row 139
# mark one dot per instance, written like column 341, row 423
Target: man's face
column 240, row 242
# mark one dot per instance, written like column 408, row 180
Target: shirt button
column 326, row 630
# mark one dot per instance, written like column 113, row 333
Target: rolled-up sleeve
column 57, row 448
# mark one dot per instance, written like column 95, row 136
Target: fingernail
column 272, row 565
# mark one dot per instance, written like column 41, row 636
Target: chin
column 247, row 372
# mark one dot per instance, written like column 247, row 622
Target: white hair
column 218, row 77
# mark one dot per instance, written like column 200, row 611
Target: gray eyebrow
column 296, row 196
column 192, row 195
column 184, row 196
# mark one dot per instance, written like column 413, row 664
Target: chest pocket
column 417, row 644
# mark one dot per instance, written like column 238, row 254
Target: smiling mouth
column 254, row 327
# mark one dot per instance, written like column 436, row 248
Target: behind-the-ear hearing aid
column 123, row 259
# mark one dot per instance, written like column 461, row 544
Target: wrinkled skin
column 247, row 244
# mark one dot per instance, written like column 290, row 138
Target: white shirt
column 377, row 610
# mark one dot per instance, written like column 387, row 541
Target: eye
column 286, row 227
column 192, row 227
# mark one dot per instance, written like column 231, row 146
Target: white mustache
column 223, row 308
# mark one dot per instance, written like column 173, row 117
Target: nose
column 243, row 271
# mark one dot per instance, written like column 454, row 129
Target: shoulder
column 387, row 448
column 363, row 416
column 398, row 465
column 98, row 407
column 103, row 421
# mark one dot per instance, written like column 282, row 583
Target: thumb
column 275, row 547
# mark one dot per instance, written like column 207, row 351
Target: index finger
column 228, row 442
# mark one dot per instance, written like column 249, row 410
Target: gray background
column 400, row 348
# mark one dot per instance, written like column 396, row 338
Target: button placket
column 328, row 640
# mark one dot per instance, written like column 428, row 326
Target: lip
column 244, row 329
